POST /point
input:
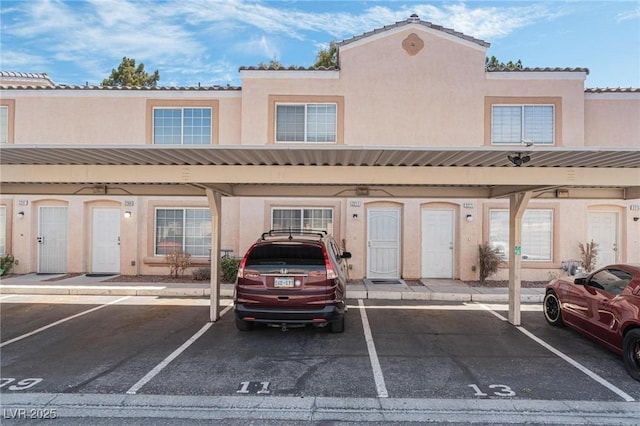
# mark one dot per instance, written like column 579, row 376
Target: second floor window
column 306, row 123
column 182, row 126
column 514, row 124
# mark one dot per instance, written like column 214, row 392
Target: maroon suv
column 292, row 278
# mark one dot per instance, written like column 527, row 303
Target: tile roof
column 119, row 88
column 414, row 19
column 282, row 68
column 25, row 78
column 612, row 90
column 537, row 69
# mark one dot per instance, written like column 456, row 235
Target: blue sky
column 206, row 41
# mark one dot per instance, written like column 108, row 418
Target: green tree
column 327, row 57
column 493, row 62
column 273, row 64
column 128, row 74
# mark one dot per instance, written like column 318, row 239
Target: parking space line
column 381, row 387
column 622, row 394
column 53, row 324
column 158, row 368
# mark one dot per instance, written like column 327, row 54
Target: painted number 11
column 502, row 390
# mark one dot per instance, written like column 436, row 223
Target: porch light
column 20, row 214
column 127, row 214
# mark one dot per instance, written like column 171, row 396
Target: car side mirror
column 580, row 281
column 345, row 255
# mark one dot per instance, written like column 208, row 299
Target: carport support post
column 517, row 205
column 215, row 206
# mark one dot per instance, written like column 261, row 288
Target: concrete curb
column 444, row 290
column 6, row 289
column 352, row 410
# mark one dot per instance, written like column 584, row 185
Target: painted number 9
column 21, row 385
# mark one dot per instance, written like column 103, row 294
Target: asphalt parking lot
column 409, row 350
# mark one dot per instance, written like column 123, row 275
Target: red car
column 604, row 306
column 292, row 278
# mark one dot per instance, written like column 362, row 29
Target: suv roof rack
column 294, row 231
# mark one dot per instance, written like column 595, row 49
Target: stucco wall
column 612, row 120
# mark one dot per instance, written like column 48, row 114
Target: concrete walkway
column 426, row 289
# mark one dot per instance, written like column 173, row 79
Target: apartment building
column 409, row 89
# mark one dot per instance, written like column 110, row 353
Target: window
column 183, row 229
column 513, row 124
column 306, row 122
column 3, row 230
column 302, row 218
column 611, row 280
column 537, row 233
column 4, row 124
column 182, row 126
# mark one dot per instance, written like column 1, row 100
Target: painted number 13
column 502, row 390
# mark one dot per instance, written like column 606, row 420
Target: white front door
column 52, row 240
column 383, row 243
column 603, row 229
column 106, row 241
column 437, row 243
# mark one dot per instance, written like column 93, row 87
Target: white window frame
column 523, row 138
column 3, row 230
column 306, row 130
column 182, row 124
column 328, row 227
column 183, row 226
column 529, row 252
column 4, row 124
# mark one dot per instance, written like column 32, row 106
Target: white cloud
column 177, row 36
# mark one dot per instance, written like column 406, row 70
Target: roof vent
column 414, row 18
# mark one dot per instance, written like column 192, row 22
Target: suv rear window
column 286, row 254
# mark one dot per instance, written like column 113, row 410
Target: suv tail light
column 331, row 273
column 241, row 267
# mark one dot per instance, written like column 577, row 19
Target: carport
column 326, row 171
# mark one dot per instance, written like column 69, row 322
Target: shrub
column 229, row 268
column 489, row 259
column 6, row 264
column 202, row 274
column 179, row 261
column 588, row 255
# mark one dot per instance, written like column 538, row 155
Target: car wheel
column 551, row 307
column 337, row 326
column 631, row 352
column 243, row 325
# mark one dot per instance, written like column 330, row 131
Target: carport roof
column 324, row 155
column 320, row 171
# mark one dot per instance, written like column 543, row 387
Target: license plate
column 281, row 282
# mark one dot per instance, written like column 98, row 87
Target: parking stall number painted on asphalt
column 497, row 390
column 260, row 388
column 21, row 385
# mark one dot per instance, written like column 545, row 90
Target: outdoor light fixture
column 469, row 218
column 127, row 214
column 20, row 214
column 636, row 218
column 518, row 159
